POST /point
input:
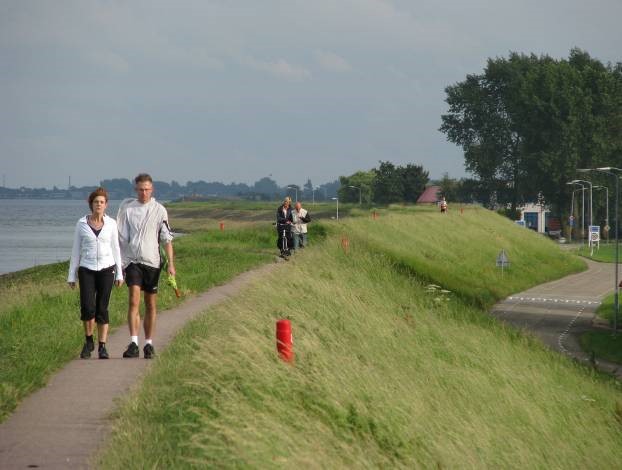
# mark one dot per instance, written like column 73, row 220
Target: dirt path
column 559, row 312
column 61, row 425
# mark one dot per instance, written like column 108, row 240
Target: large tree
column 528, row 122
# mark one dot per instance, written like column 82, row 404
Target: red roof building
column 431, row 195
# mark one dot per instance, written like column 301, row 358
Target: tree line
column 385, row 184
column 527, row 122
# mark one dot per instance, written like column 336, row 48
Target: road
column 558, row 312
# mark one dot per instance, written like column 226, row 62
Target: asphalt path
column 558, row 312
column 62, row 425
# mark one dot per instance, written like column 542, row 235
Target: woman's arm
column 75, row 256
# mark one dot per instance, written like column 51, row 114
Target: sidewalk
column 61, row 425
column 559, row 312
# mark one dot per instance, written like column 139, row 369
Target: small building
column 431, row 195
column 538, row 218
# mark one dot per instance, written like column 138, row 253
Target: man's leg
column 296, row 241
column 150, row 315
column 133, row 316
column 149, row 324
column 133, row 321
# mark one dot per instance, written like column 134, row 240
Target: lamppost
column 336, row 199
column 606, row 210
column 582, row 207
column 588, row 182
column 359, row 188
column 614, row 172
column 313, row 194
column 296, row 188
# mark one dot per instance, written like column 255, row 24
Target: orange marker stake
column 345, row 243
column 222, row 226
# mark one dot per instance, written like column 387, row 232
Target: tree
column 388, row 184
column 414, row 178
column 361, row 179
column 527, row 123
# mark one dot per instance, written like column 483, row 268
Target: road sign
column 594, row 233
column 502, row 259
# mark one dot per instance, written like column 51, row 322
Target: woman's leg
column 103, row 288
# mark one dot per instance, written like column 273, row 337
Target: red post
column 222, row 226
column 285, row 340
column 461, row 210
column 345, row 243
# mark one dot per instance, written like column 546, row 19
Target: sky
column 235, row 90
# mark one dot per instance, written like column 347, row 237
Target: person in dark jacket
column 284, row 221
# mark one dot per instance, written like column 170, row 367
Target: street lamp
column 359, row 188
column 296, row 188
column 611, row 171
column 336, row 199
column 572, row 209
column 607, row 209
column 588, row 182
column 313, row 194
column 582, row 207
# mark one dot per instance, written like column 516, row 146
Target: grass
column 459, row 250
column 605, row 254
column 388, row 372
column 603, row 344
column 40, row 329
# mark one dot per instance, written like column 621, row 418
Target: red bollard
column 222, row 226
column 461, row 210
column 345, row 243
column 285, row 340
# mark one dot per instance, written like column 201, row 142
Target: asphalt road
column 558, row 312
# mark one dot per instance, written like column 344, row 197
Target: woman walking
column 96, row 261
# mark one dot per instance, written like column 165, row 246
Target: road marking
column 562, row 336
column 545, row 300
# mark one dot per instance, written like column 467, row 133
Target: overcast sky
column 234, row 90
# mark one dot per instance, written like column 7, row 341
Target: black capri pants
column 95, row 288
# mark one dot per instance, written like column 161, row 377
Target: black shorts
column 95, row 287
column 146, row 277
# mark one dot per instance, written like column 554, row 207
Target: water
column 39, row 231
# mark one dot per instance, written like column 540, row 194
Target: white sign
column 594, row 233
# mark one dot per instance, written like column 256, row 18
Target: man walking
column 301, row 219
column 143, row 226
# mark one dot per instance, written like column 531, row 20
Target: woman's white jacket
column 95, row 252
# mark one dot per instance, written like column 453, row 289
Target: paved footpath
column 61, row 425
column 559, row 312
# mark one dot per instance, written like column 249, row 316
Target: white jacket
column 95, row 252
column 142, row 227
column 299, row 226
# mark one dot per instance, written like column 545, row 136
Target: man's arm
column 168, row 249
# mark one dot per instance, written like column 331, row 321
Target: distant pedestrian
column 143, row 227
column 96, row 262
column 284, row 221
column 443, row 205
column 301, row 218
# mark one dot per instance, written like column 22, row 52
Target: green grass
column 605, row 254
column 387, row 373
column 603, row 344
column 39, row 315
column 459, row 251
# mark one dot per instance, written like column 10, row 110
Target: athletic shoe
column 148, row 351
column 86, row 351
column 91, row 345
column 103, row 354
column 132, row 350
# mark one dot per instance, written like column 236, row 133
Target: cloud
column 331, row 61
column 279, row 68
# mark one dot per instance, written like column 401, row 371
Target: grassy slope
column 39, row 315
column 385, row 373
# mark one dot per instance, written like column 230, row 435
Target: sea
column 39, row 231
